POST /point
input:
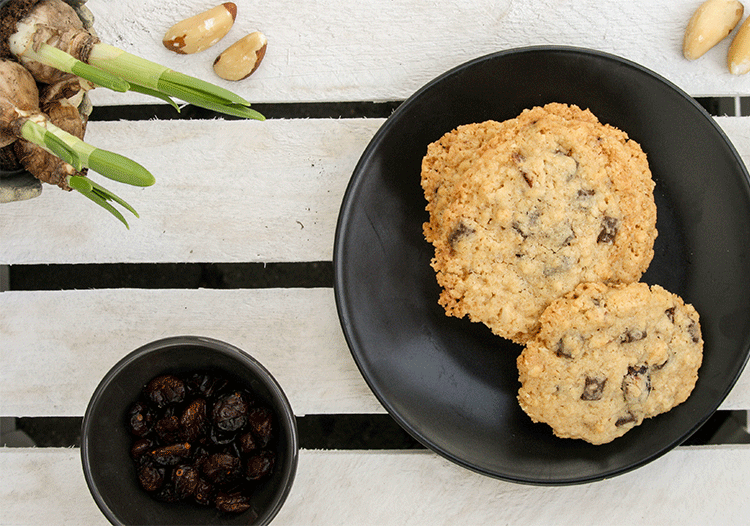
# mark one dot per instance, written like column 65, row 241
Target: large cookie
column 523, row 211
column 608, row 357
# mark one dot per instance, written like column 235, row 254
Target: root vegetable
column 36, row 137
column 33, row 39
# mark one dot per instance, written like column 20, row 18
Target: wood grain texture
column 53, row 369
column 419, row 488
column 226, row 191
column 372, row 50
column 232, row 191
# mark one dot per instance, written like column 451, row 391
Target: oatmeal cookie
column 607, row 357
column 523, row 211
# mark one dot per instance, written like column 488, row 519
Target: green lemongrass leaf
column 201, row 99
column 63, row 150
column 59, row 59
column 104, row 204
column 109, row 196
column 80, row 183
column 208, row 90
column 234, row 110
column 78, row 153
column 118, row 168
column 100, row 77
column 153, row 76
column 46, row 138
column 132, row 68
column 154, row 93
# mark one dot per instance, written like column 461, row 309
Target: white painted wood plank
column 55, row 347
column 371, row 50
column 45, row 486
column 738, row 131
column 226, row 191
column 688, row 486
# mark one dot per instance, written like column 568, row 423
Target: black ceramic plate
column 451, row 383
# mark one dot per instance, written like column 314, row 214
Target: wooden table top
column 248, row 192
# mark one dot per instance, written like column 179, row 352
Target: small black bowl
column 105, row 442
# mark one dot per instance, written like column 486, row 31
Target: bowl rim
column 213, row 344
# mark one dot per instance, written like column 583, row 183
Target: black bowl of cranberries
column 189, row 430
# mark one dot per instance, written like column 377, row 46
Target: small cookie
column 608, row 357
column 523, row 211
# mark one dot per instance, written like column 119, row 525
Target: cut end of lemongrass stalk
column 35, row 133
column 80, row 183
column 118, row 168
column 59, row 59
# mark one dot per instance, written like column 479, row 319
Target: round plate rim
column 338, row 284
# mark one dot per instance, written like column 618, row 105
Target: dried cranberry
column 166, row 389
column 246, row 443
column 140, row 419
column 230, row 412
column 219, row 438
column 171, row 455
column 204, row 492
column 185, row 481
column 205, row 385
column 151, row 477
column 260, row 420
column 221, row 468
column 202, row 439
column 193, row 420
column 140, row 447
column 169, row 430
column 232, row 502
column 260, row 465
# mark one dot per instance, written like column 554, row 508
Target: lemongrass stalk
column 58, row 59
column 80, row 154
column 38, row 134
column 153, row 76
column 119, row 168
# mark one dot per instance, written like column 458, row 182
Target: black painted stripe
column 313, row 110
column 340, row 431
column 171, row 276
